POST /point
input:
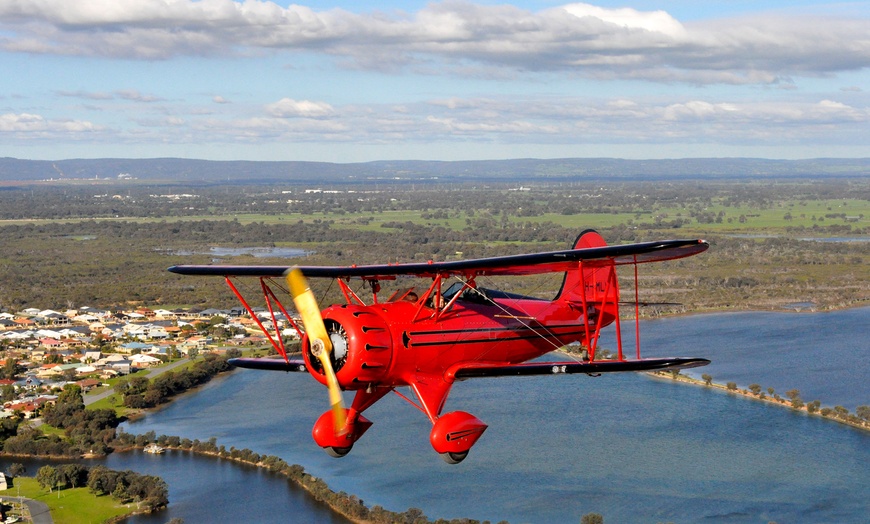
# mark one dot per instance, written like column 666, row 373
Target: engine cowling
column 362, row 346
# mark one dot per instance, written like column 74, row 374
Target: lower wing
column 269, row 364
column 478, row 370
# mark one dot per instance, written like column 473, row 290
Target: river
column 631, row 447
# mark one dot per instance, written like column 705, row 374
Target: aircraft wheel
column 454, row 458
column 337, row 452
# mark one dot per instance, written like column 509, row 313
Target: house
column 196, row 341
column 49, row 370
column 115, row 362
column 165, row 313
column 145, row 312
column 91, row 356
column 30, row 383
column 99, row 313
column 86, row 370
column 88, row 384
column 30, row 406
column 134, row 347
column 55, row 318
column 144, row 361
column 86, row 319
column 124, row 367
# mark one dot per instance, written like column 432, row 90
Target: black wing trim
column 269, row 364
column 528, row 264
column 559, row 368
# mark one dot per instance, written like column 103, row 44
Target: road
column 39, row 513
column 91, row 398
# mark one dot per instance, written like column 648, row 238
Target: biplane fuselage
column 426, row 339
column 393, row 342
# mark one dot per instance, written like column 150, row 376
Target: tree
column 755, row 389
column 73, row 475
column 732, row 386
column 795, row 396
column 121, row 386
column 592, row 518
column 71, row 394
column 8, row 392
column 708, row 380
column 10, row 368
column 47, row 476
column 17, row 469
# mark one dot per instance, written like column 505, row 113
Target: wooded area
column 72, row 245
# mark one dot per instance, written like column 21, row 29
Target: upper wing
column 546, row 262
column 477, row 370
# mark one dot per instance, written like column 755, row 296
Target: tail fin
column 596, row 283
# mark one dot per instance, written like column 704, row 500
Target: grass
column 805, row 213
column 74, row 505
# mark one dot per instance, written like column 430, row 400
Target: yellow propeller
column 321, row 346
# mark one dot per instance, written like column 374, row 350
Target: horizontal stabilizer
column 269, row 364
column 570, row 367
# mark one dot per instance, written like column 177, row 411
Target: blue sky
column 359, row 81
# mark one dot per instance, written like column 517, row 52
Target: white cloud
column 23, row 124
column 289, row 108
column 134, row 95
column 652, row 21
column 448, row 36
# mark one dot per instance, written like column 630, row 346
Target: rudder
column 592, row 282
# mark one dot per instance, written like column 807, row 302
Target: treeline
column 93, row 431
column 86, row 431
column 348, row 505
column 860, row 419
column 140, row 392
column 107, row 263
column 437, row 201
column 148, row 491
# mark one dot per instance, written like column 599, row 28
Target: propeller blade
column 321, row 346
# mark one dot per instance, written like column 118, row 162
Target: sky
column 444, row 80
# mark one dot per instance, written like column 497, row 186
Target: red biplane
column 454, row 330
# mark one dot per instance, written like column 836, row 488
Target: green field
column 777, row 217
column 71, row 506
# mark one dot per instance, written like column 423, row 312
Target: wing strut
column 636, row 311
column 612, row 281
column 267, row 292
column 270, row 296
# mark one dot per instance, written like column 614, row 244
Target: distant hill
column 180, row 170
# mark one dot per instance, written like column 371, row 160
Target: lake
column 257, row 252
column 630, row 447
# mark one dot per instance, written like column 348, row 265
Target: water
column 631, row 447
column 207, row 490
column 824, row 355
column 256, row 252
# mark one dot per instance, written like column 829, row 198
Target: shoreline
column 312, row 485
column 721, row 309
column 761, row 397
